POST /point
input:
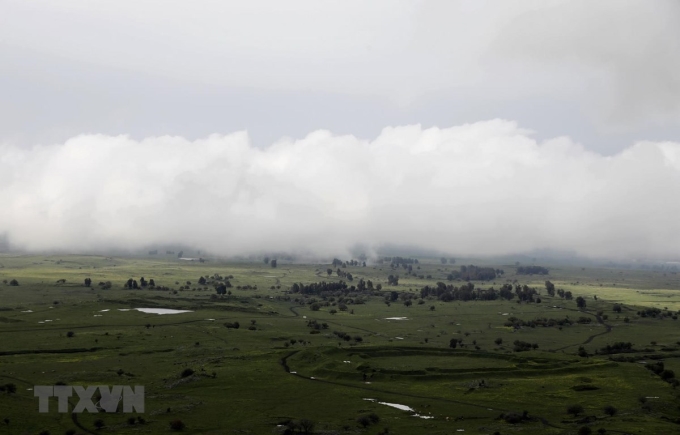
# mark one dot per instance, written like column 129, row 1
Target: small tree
column 610, row 410
column 14, row 283
column 575, row 409
column 273, row 263
column 88, row 282
column 70, row 334
column 580, row 302
column 307, row 426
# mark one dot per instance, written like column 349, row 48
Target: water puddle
column 402, row 408
column 162, row 311
column 396, row 318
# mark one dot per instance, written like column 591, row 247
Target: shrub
column 575, row 409
column 177, row 425
column 187, row 372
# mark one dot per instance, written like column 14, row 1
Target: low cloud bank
column 478, row 189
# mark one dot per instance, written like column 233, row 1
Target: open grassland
column 277, row 367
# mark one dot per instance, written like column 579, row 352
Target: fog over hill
column 486, row 188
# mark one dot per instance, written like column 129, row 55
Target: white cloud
column 483, row 188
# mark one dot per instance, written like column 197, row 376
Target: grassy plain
column 254, row 381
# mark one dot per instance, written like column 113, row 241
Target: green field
column 276, row 369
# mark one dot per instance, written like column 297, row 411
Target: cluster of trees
column 539, row 321
column 474, row 273
column 345, row 336
column 342, row 274
column 393, row 279
column 523, row 346
column 143, row 283
column 318, row 288
column 618, row 347
column 339, row 263
column 654, row 312
column 467, row 292
column 397, row 261
column 316, row 325
column 445, row 260
column 665, row 374
column 532, row 270
column 550, row 288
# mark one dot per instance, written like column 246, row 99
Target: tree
column 444, row 260
column 14, row 283
column 498, row 341
column 580, row 302
column 329, row 271
column 266, row 260
column 453, row 343
column 88, row 282
column 273, row 263
column 575, row 409
column 201, row 281
column 617, row 308
column 550, row 288
column 610, row 410
column 307, row 426
column 70, row 334
column 408, row 302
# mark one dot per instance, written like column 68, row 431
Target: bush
column 70, row 334
column 177, row 425
column 187, row 372
column 575, row 409
column 14, row 282
column 610, row 410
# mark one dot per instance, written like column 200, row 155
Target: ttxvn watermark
column 133, row 399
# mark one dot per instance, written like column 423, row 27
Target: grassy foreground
column 277, row 371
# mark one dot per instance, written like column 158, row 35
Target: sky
column 464, row 127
